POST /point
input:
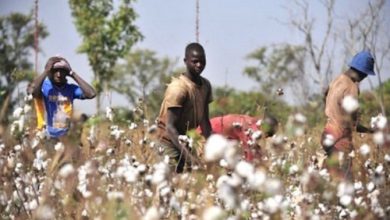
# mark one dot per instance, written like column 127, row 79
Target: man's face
column 58, row 76
column 361, row 76
column 195, row 61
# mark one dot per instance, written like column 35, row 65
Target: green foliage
column 369, row 104
column 16, row 44
column 230, row 101
column 108, row 33
column 143, row 75
column 276, row 66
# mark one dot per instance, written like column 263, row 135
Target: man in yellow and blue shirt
column 54, row 96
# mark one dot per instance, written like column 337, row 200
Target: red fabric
column 343, row 138
column 225, row 125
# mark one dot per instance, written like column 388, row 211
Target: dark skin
column 58, row 78
column 195, row 61
column 357, row 76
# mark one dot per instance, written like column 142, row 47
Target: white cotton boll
column 152, row 129
column 41, row 134
column 358, row 201
column 231, row 155
column 33, row 204
column 17, row 112
column 28, row 97
column 160, row 173
column 234, row 180
column 358, row 186
column 343, row 214
column 115, row 195
column 109, row 113
column 44, row 212
column 299, row 131
column 215, row 147
column 66, row 170
column 370, row 186
column 273, row 186
column 165, row 191
column 364, row 150
column 379, row 169
column 387, row 158
column 379, row 138
column 350, row 104
column 141, row 168
column 213, row 213
column 237, row 125
column 345, row 188
column 26, row 108
column 300, row 118
column 223, row 163
column 345, row 200
column 245, row 205
column 272, row 204
column 257, row 180
column 256, row 135
column 133, row 126
column 378, row 122
column 18, row 147
column 59, row 147
column 152, row 214
column 34, row 143
column 222, row 180
column 227, row 194
column 293, row 169
column 244, row 169
column 328, row 140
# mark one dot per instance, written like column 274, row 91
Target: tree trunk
column 5, row 108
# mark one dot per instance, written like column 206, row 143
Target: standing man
column 342, row 117
column 185, row 106
column 53, row 95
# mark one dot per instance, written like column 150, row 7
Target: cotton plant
column 350, row 104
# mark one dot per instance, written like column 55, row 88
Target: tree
column 16, row 44
column 142, row 75
column 321, row 51
column 279, row 66
column 369, row 30
column 230, row 101
column 108, row 33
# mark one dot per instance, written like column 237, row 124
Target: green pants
column 177, row 161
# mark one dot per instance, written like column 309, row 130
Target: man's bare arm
column 172, row 120
column 88, row 91
column 35, row 87
column 205, row 124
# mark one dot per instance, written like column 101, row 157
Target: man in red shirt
column 242, row 127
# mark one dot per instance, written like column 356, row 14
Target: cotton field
column 118, row 172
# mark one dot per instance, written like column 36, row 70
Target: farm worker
column 53, row 95
column 341, row 110
column 184, row 107
column 241, row 128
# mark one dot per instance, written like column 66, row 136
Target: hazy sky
column 229, row 30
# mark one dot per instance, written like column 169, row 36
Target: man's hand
column 50, row 63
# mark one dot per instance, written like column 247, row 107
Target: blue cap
column 363, row 62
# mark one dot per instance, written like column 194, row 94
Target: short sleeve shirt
column 58, row 103
column 192, row 98
column 341, row 87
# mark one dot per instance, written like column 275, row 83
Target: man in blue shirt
column 54, row 96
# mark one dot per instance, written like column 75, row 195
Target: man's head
column 195, row 59
column 58, row 70
column 362, row 65
column 269, row 125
